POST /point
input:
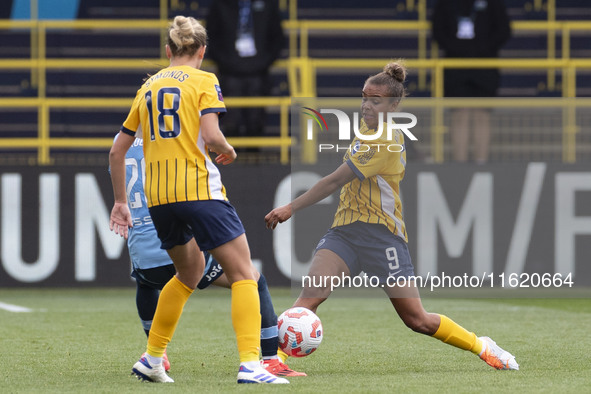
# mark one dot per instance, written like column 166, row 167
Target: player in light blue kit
column 153, row 268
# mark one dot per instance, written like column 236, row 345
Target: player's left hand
column 120, row 219
column 278, row 215
column 226, row 158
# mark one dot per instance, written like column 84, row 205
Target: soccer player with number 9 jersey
column 368, row 233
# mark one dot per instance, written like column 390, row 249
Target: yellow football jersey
column 374, row 195
column 167, row 109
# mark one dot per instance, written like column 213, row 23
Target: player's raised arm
column 322, row 189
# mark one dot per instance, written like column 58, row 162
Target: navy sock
column 146, row 299
column 269, row 338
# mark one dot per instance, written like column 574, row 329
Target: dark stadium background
column 253, row 181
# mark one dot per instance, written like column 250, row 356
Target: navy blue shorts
column 370, row 248
column 157, row 277
column 211, row 222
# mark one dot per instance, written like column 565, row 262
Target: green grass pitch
column 86, row 340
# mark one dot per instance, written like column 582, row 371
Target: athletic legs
column 325, row 263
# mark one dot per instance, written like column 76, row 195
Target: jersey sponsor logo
column 140, row 221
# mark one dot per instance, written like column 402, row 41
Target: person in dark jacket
column 471, row 29
column 245, row 39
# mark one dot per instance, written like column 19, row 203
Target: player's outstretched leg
column 496, row 357
column 441, row 327
column 455, row 335
column 147, row 371
column 487, row 349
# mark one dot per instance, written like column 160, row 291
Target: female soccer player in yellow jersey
column 368, row 232
column 177, row 111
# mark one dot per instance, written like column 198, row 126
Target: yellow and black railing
column 301, row 70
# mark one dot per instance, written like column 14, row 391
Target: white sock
column 269, row 358
column 154, row 360
column 251, row 365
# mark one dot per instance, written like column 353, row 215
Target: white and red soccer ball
column 300, row 332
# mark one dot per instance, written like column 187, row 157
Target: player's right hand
column 226, row 158
column 278, row 215
column 225, row 155
column 120, row 219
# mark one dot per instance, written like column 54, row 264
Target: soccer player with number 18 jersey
column 153, row 268
column 177, row 112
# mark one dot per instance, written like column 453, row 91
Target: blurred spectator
column 475, row 29
column 245, row 39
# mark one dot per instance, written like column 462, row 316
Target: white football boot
column 496, row 357
column 151, row 373
column 258, row 375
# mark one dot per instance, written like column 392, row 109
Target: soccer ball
column 300, row 332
